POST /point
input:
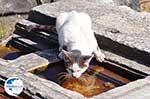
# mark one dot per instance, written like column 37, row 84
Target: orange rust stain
column 88, row 85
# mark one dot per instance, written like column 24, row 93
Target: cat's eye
column 82, row 63
column 86, row 58
column 66, row 58
column 68, row 62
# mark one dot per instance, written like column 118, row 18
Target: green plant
column 2, row 29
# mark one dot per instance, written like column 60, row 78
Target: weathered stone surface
column 46, row 1
column 36, row 60
column 133, row 26
column 94, row 1
column 102, row 1
column 16, row 6
column 134, row 4
column 129, row 63
column 37, row 45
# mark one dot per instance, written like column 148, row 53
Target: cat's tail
column 50, row 28
column 99, row 55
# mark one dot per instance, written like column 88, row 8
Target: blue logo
column 13, row 86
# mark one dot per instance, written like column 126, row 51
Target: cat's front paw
column 99, row 56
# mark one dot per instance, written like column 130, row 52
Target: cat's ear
column 64, row 55
column 87, row 58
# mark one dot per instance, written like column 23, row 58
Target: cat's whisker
column 64, row 76
column 62, row 73
column 82, row 79
column 61, row 77
column 92, row 82
column 68, row 75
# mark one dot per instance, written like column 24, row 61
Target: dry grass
column 145, row 5
column 7, row 24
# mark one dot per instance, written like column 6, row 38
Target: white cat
column 77, row 42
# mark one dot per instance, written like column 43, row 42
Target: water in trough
column 100, row 77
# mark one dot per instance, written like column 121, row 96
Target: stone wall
column 19, row 6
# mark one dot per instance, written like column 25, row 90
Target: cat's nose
column 77, row 75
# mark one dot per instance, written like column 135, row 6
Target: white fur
column 75, row 31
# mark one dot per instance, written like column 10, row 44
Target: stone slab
column 16, row 6
column 38, row 45
column 36, row 60
column 126, row 62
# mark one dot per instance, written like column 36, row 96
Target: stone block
column 16, row 6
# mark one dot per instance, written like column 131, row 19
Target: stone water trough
column 122, row 33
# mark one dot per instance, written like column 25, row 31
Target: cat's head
column 75, row 63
